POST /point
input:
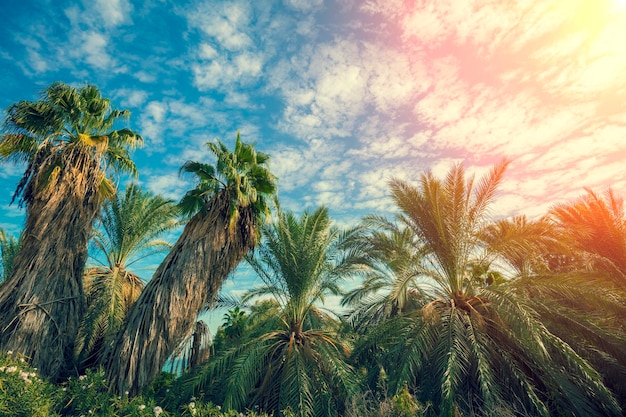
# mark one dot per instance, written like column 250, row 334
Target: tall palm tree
column 473, row 347
column 69, row 144
column 229, row 201
column 295, row 362
column 129, row 231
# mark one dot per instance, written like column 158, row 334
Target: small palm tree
column 9, row 246
column 70, row 145
column 228, row 203
column 472, row 347
column 388, row 252
column 295, row 360
column 128, row 232
column 234, row 322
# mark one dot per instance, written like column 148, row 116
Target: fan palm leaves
column 472, row 347
column 129, row 231
column 230, row 199
column 295, row 362
column 70, row 144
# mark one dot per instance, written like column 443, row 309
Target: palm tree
column 128, row 232
column 68, row 142
column 294, row 361
column 234, row 323
column 388, row 251
column 473, row 346
column 9, row 246
column 229, row 201
column 595, row 226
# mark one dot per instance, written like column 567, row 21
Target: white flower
column 192, row 404
column 219, row 407
column 12, row 369
column 126, row 393
column 9, row 352
column 157, row 410
column 80, row 378
column 141, row 407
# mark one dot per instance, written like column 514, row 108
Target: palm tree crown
column 129, row 230
column 67, row 121
column 294, row 361
column 241, row 177
column 471, row 346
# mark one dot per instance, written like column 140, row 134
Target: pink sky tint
column 540, row 82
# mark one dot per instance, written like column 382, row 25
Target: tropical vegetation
column 447, row 309
column 128, row 232
column 293, row 359
column 70, row 146
column 230, row 200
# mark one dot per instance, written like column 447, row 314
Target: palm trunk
column 199, row 345
column 41, row 303
column 187, row 279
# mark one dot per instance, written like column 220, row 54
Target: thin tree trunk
column 41, row 303
column 187, row 279
column 199, row 345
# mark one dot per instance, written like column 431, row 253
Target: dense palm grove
column 450, row 310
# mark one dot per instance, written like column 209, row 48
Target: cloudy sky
column 344, row 94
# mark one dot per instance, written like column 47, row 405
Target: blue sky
column 344, row 94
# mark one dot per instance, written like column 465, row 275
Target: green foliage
column 474, row 341
column 88, row 395
column 404, row 405
column 63, row 120
column 199, row 409
column 22, row 392
column 9, row 246
column 292, row 358
column 129, row 231
column 241, row 176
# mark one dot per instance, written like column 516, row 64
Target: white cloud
column 131, row 98
column 303, row 5
column 112, row 12
column 226, row 23
column 240, row 69
column 169, row 185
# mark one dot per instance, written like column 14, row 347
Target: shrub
column 88, row 395
column 22, row 391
